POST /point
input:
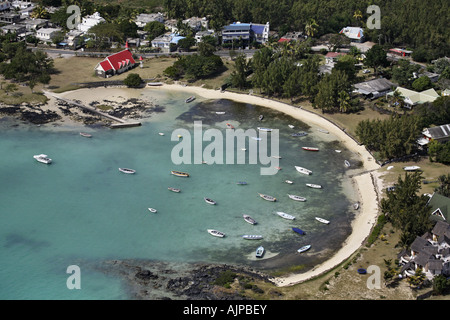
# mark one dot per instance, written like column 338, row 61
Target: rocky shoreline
column 60, row 111
column 150, row 280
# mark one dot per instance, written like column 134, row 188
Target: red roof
column 335, row 54
column 284, row 40
column 117, row 60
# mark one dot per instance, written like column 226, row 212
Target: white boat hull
column 216, row 233
column 297, row 198
column 322, row 220
column 303, row 170
column 285, row 215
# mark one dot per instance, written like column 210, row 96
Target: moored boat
column 152, row 210
column 314, row 186
column 43, row 158
column 126, row 170
column 299, row 134
column 289, row 181
column 252, row 236
column 411, row 168
column 190, row 99
column 310, row 148
column 322, row 220
column 299, row 231
column 241, row 183
column 179, row 173
column 264, row 129
column 256, row 138
column 209, row 201
column 304, row 248
column 220, row 112
column 296, row 198
column 338, row 151
column 229, row 125
column 267, row 197
column 86, row 135
column 291, row 126
column 303, row 170
column 260, row 117
column 249, row 219
column 174, row 189
column 322, row 130
column 285, row 215
column 259, row 252
column 216, row 233
column 346, row 163
column 356, row 205
column 154, row 84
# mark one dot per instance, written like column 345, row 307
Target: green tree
column 376, row 58
column 403, row 72
column 344, row 101
column 133, row 80
column 311, row 28
column 440, row 284
column 154, row 29
column 422, row 83
column 444, row 185
column 239, row 75
column 259, row 63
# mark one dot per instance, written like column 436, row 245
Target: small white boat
column 161, row 133
column 174, row 189
column 259, row 251
column 249, row 219
column 322, row 130
column 43, row 158
column 289, row 181
column 285, row 215
column 304, row 248
column 126, row 170
column 154, row 84
column 291, row 126
column 299, row 134
column 322, row 220
column 216, row 233
column 86, row 135
column 296, row 198
column 276, row 157
column 338, row 151
column 390, row 167
column 152, row 210
column 244, row 149
column 179, row 173
column 220, row 112
column 267, row 197
column 310, row 148
column 264, row 129
column 356, row 205
column 190, row 99
column 209, row 201
column 314, row 186
column 411, row 168
column 347, row 164
column 303, row 170
column 256, row 138
column 252, row 236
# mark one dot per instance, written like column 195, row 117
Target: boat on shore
column 310, row 148
column 252, row 236
column 267, row 197
column 299, row 134
column 152, row 210
column 304, row 248
column 249, row 219
column 216, row 233
column 43, row 158
column 126, row 170
column 411, row 168
column 264, row 129
column 190, row 99
column 322, row 220
column 296, row 198
column 323, row 130
column 356, row 205
column 303, row 170
column 259, row 252
column 299, row 231
column 86, row 135
column 154, row 84
column 174, row 189
column 338, row 151
column 179, row 173
column 209, row 201
column 314, row 186
column 285, row 215
column 347, row 164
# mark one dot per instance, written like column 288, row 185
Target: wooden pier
column 121, row 122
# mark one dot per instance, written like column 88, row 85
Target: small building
column 199, row 35
column 5, row 6
column 144, row 18
column 333, row 56
column 47, row 34
column 166, row 42
column 196, row 23
column 400, row 52
column 438, row 133
column 355, row 34
column 246, row 32
column 115, row 64
column 89, row 21
column 74, row 38
column 13, row 28
column 9, row 17
column 413, row 98
column 292, row 36
column 374, row 88
column 34, row 24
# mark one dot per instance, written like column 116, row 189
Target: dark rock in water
column 39, row 117
column 146, row 275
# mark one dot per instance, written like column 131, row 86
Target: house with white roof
column 165, row 41
column 47, row 34
column 413, row 98
column 355, row 34
column 144, row 18
column 246, row 32
column 89, row 21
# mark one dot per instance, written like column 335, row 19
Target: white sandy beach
column 365, row 217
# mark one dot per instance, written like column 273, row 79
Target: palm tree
column 344, row 101
column 398, row 99
column 311, row 28
column 40, row 13
column 357, row 15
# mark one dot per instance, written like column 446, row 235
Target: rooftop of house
column 353, row 32
column 414, row 97
column 438, row 132
column 375, row 85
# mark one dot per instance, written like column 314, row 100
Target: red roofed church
column 115, row 64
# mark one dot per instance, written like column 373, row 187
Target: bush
column 133, row 80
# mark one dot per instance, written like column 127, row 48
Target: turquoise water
column 81, row 210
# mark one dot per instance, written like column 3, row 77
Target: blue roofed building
column 245, row 32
